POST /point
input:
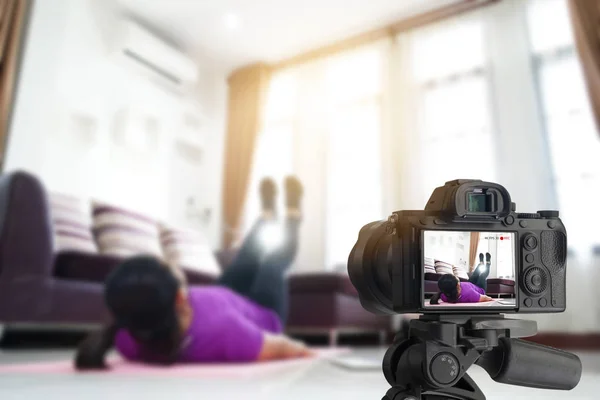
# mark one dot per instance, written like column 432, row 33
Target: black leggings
column 259, row 273
column 479, row 276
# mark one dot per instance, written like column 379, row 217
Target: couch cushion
column 430, row 287
column 84, row 267
column 188, row 249
column 501, row 281
column 124, row 233
column 433, row 277
column 320, row 282
column 199, row 278
column 429, row 277
column 71, row 223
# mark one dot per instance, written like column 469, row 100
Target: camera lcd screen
column 465, row 269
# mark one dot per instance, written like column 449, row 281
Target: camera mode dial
column 548, row 214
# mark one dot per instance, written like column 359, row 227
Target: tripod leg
column 464, row 389
column 400, row 394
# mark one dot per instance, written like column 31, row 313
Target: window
column 502, row 254
column 460, row 101
column 354, row 177
column 568, row 120
column 453, row 124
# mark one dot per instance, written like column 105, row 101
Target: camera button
column 523, row 224
column 529, row 258
column 551, row 224
column 530, row 242
column 509, row 220
column 528, row 302
column 543, row 302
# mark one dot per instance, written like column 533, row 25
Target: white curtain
column 574, row 143
column 574, row 151
column 354, row 164
column 446, row 99
column 274, row 154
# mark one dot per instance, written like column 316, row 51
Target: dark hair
column 141, row 295
column 447, row 285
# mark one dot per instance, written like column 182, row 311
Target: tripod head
column 432, row 362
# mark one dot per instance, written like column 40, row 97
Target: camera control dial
column 528, row 215
column 536, row 281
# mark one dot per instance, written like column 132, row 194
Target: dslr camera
column 469, row 228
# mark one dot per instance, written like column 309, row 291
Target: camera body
column 387, row 263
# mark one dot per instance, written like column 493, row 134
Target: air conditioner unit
column 146, row 54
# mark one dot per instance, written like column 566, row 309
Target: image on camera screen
column 468, row 269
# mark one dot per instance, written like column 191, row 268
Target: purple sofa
column 496, row 287
column 38, row 287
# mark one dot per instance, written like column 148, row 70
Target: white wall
column 69, row 79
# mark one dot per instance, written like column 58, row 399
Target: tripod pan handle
column 523, row 363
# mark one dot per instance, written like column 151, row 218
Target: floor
column 320, row 380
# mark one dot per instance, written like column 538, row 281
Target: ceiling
column 237, row 32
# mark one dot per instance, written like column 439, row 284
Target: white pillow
column 71, row 223
column 124, row 233
column 188, row 249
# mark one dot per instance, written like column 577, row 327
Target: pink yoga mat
column 122, row 367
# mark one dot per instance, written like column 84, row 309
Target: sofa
column 496, row 287
column 39, row 287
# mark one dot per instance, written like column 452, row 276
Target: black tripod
column 432, row 363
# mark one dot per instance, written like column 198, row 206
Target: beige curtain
column 473, row 250
column 247, row 93
column 585, row 16
column 12, row 21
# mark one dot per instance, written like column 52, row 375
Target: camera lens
column 370, row 268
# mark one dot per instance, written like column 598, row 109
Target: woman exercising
column 452, row 290
column 159, row 320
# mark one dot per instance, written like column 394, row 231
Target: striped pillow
column 188, row 249
column 460, row 272
column 429, row 265
column 124, row 233
column 71, row 222
column 442, row 267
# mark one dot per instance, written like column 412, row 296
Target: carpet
column 122, row 367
